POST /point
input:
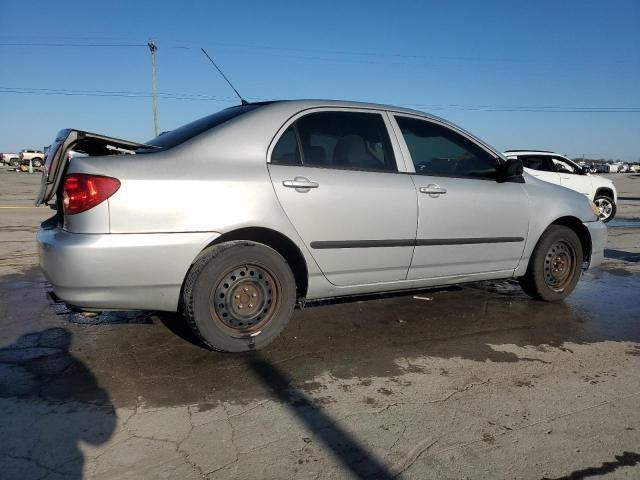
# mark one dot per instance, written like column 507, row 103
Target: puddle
column 104, row 318
column 610, row 300
column 605, row 301
column 139, row 356
column 112, row 318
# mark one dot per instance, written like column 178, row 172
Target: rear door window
column 346, row 140
column 540, row 163
column 287, row 151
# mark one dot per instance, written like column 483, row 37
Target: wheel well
column 605, row 191
column 583, row 233
column 281, row 244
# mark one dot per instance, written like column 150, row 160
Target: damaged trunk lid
column 87, row 143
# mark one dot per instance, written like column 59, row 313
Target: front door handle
column 433, row 190
column 302, row 183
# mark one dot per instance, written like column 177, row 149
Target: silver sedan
column 239, row 217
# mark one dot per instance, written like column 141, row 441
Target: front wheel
column 606, row 206
column 555, row 265
column 36, row 162
column 239, row 296
column 14, row 162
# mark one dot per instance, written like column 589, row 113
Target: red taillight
column 82, row 192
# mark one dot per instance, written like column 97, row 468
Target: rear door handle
column 433, row 190
column 301, row 183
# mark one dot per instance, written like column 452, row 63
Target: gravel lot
column 471, row 382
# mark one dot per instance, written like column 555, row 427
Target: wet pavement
column 469, row 382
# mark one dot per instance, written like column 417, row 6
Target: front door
column 467, row 222
column 335, row 175
column 540, row 166
column 572, row 176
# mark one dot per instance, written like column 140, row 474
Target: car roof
column 303, row 104
column 533, row 152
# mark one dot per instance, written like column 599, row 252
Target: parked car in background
column 12, row 159
column 556, row 168
column 291, row 201
column 35, row 156
column 634, row 167
column 35, row 165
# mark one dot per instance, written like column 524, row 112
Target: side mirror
column 510, row 171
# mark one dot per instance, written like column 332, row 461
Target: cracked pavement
column 471, row 382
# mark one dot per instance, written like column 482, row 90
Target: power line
column 273, row 52
column 353, row 53
column 86, row 93
column 80, row 45
column 270, row 53
column 203, row 97
column 119, row 92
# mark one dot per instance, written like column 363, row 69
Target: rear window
column 181, row 134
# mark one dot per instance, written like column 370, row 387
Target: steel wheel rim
column 244, row 300
column 605, row 208
column 559, row 265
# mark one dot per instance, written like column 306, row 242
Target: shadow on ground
column 622, row 255
column 33, row 416
column 627, row 459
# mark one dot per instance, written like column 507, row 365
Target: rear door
column 468, row 223
column 336, row 177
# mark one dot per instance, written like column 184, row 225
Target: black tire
column 14, row 162
column 555, row 265
column 223, row 280
column 606, row 200
column 36, row 162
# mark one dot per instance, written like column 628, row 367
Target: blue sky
column 470, row 62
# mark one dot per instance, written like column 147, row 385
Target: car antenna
column 242, row 100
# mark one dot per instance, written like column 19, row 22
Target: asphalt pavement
column 477, row 381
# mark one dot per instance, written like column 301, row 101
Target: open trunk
column 87, row 143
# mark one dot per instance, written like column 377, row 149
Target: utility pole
column 154, row 87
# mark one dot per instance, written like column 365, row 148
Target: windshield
column 180, row 135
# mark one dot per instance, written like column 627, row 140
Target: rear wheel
column 606, row 206
column 36, row 162
column 14, row 162
column 555, row 265
column 239, row 296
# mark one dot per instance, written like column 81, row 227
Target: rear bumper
column 598, row 233
column 119, row 271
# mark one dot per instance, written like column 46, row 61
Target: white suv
column 555, row 168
